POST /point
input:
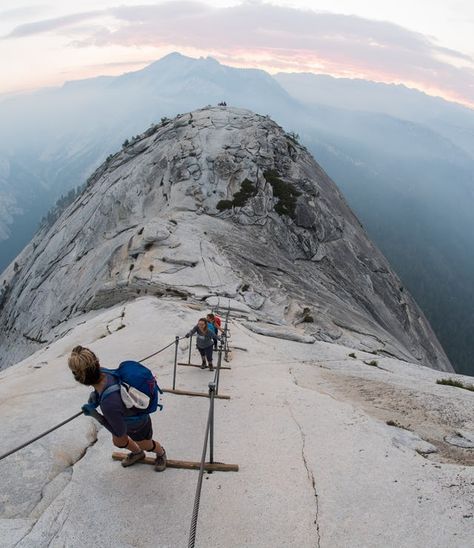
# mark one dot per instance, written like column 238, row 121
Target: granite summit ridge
column 219, row 202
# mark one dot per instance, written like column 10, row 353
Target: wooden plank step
column 184, row 464
column 197, row 394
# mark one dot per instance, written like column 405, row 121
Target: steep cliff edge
column 217, row 202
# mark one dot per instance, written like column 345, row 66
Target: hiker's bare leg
column 147, row 445
column 124, row 442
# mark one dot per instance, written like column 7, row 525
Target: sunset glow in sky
column 423, row 44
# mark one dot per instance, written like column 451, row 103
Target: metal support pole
column 226, row 347
column 226, row 344
column 212, row 391
column 176, row 342
column 190, row 348
column 218, row 368
column 226, row 331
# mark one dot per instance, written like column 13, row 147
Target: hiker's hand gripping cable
column 122, row 442
column 90, row 409
column 115, row 425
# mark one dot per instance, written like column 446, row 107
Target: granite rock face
column 218, row 203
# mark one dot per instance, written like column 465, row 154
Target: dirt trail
column 430, row 415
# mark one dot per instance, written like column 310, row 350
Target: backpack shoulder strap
column 109, row 390
column 113, row 387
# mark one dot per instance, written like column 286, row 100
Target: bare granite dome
column 217, row 202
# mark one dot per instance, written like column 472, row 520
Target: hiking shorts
column 207, row 353
column 140, row 431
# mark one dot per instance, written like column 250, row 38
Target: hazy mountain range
column 404, row 161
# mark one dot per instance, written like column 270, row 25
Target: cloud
column 270, row 36
column 50, row 25
column 24, row 12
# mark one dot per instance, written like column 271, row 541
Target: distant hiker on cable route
column 205, row 338
column 214, row 324
column 130, row 426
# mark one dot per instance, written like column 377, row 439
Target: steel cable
column 213, row 388
column 197, row 496
column 40, row 436
column 161, row 349
column 52, row 429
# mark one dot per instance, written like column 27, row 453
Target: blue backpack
column 137, row 385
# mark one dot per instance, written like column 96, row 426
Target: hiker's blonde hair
column 84, row 365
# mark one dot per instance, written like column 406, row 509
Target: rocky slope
column 217, row 202
column 351, row 455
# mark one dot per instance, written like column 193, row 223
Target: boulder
column 405, row 438
column 278, row 332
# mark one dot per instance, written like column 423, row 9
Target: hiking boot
column 160, row 462
column 211, row 367
column 132, row 458
column 204, row 364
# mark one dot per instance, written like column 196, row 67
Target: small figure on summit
column 205, row 338
column 126, row 396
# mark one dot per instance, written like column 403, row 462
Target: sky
column 424, row 44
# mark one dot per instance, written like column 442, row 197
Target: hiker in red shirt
column 214, row 323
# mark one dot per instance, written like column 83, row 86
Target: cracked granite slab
column 316, row 465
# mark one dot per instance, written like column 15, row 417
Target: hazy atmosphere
column 411, row 185
column 427, row 45
column 236, row 245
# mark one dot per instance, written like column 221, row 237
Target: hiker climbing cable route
column 205, row 338
column 214, row 324
column 126, row 397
